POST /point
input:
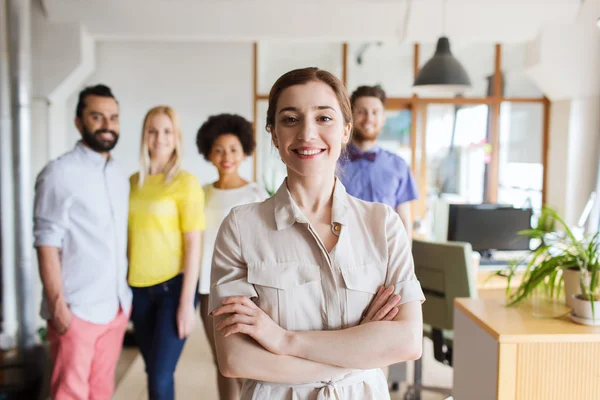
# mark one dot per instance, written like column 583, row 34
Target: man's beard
column 360, row 136
column 94, row 141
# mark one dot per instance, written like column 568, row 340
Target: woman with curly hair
column 225, row 140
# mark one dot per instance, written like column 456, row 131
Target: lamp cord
column 406, row 22
column 444, row 17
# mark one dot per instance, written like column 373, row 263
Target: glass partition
column 520, row 155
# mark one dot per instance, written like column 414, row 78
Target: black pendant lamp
column 443, row 73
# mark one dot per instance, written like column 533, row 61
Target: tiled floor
column 195, row 375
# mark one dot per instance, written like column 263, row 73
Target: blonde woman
column 165, row 222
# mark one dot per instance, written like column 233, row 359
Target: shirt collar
column 287, row 211
column 352, row 147
column 93, row 156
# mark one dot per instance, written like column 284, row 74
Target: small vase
column 582, row 308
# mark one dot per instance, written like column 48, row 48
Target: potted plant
column 558, row 259
column 586, row 303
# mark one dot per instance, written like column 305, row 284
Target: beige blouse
column 269, row 251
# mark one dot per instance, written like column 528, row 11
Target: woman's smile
column 308, row 153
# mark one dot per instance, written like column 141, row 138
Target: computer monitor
column 489, row 227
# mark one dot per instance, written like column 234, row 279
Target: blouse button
column 336, row 228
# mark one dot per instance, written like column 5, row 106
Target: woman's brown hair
column 303, row 76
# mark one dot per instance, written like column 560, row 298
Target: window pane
column 397, row 127
column 275, row 58
column 395, row 136
column 478, row 59
column 520, row 157
column 388, row 64
column 456, row 156
column 517, row 82
column 456, row 151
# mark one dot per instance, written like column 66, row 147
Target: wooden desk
column 508, row 354
column 487, row 279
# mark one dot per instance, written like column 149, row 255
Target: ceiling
column 331, row 20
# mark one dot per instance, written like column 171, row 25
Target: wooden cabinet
column 509, row 354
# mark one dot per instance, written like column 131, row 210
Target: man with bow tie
column 369, row 172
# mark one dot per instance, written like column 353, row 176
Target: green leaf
column 543, row 268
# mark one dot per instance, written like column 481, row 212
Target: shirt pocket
column 362, row 283
column 287, row 292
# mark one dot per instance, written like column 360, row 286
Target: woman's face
column 227, row 153
column 160, row 136
column 309, row 129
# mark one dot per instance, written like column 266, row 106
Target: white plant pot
column 571, row 279
column 583, row 308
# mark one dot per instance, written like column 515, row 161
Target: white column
column 560, row 114
column 573, row 155
column 582, row 167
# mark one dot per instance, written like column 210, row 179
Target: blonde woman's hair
column 174, row 164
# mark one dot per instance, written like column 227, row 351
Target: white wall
column 584, row 142
column 560, row 112
column 517, row 81
column 565, row 58
column 564, row 62
column 278, row 57
column 389, row 64
column 56, row 52
column 196, row 79
column 573, row 155
column 63, row 57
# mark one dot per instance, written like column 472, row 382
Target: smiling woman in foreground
column 293, row 277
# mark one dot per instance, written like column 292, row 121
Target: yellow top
column 519, row 325
column 159, row 215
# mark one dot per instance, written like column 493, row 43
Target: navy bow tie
column 356, row 155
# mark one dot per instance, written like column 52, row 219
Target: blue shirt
column 81, row 207
column 387, row 179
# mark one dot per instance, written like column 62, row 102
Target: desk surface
column 487, row 279
column 519, row 325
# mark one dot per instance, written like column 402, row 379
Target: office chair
column 445, row 272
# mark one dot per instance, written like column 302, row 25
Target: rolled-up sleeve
column 401, row 269
column 229, row 274
column 51, row 209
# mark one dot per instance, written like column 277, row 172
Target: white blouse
column 218, row 203
column 269, row 251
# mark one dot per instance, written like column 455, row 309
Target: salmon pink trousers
column 85, row 358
